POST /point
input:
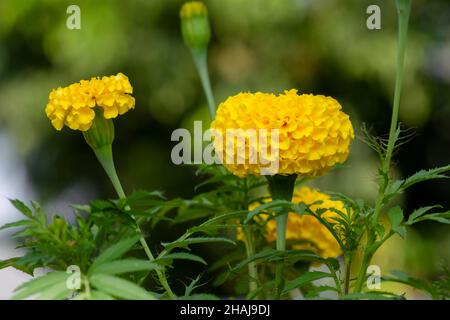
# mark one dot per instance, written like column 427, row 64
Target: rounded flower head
column 306, row 232
column 74, row 106
column 313, row 133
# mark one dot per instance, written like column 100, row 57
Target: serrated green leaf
column 306, row 278
column 19, row 205
column 119, row 287
column 8, row 263
column 100, row 295
column 39, row 284
column 58, row 291
column 195, row 240
column 401, row 277
column 271, row 205
column 116, row 251
column 424, row 175
column 420, row 212
column 420, row 215
column 443, row 217
column 16, row 224
column 124, row 266
column 180, row 256
column 395, row 215
column 212, row 221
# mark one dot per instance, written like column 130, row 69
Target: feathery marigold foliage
column 74, row 105
column 305, row 231
column 314, row 134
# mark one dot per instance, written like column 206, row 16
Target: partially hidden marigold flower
column 313, row 133
column 306, row 231
column 74, row 105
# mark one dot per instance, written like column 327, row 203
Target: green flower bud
column 195, row 25
column 101, row 133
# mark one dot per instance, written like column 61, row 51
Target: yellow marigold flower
column 306, row 230
column 74, row 105
column 314, row 134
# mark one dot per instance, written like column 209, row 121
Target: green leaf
column 443, row 217
column 39, row 284
column 58, row 291
column 116, row 251
column 119, row 287
column 185, row 243
column 270, row 205
column 19, row 205
column 395, row 215
column 206, row 225
column 8, row 263
column 306, row 278
column 124, row 266
column 424, row 175
column 420, row 212
column 16, row 224
column 179, row 256
column 399, row 186
column 100, row 295
column 401, row 277
column 420, row 215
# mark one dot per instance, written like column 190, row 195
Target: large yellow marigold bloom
column 306, row 230
column 314, row 134
column 74, row 105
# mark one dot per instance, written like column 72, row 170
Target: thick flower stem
column 105, row 157
column 250, row 251
column 348, row 268
column 281, row 188
column 200, row 59
column 403, row 12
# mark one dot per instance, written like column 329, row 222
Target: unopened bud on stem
column 195, row 25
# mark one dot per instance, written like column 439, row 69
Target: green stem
column 105, row 157
column 403, row 12
column 348, row 268
column 281, row 222
column 362, row 272
column 200, row 59
column 87, row 288
column 281, row 188
column 250, row 251
column 249, row 245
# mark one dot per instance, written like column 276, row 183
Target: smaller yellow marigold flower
column 195, row 25
column 307, row 230
column 74, row 105
column 313, row 133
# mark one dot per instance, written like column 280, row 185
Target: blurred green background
column 317, row 46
